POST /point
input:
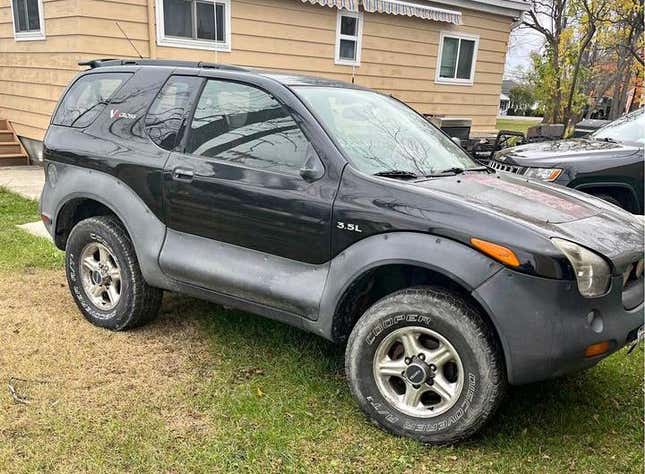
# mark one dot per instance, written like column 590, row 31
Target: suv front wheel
column 104, row 276
column 422, row 363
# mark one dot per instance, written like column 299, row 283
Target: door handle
column 183, row 174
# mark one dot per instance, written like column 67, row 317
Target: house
column 444, row 57
column 505, row 96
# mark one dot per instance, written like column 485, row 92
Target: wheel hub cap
column 418, row 372
column 98, row 278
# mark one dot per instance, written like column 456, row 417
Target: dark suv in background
column 607, row 163
column 343, row 212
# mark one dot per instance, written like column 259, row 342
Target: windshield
column 379, row 134
column 627, row 129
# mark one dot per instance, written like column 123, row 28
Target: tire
column 439, row 321
column 130, row 301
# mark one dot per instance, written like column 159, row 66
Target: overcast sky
column 522, row 42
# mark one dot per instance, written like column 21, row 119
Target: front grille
column 633, row 285
column 498, row 165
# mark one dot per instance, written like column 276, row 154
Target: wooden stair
column 12, row 152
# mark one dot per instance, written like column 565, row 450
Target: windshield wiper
column 609, row 140
column 454, row 171
column 397, row 174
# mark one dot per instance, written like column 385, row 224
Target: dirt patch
column 54, row 359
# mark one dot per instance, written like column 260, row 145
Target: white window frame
column 358, row 38
column 455, row 80
column 34, row 35
column 189, row 43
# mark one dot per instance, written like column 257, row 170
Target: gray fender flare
column 462, row 264
column 147, row 232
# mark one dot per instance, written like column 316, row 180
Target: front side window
column 349, row 32
column 202, row 24
column 457, row 58
column 166, row 115
column 28, row 21
column 379, row 134
column 244, row 125
column 87, row 98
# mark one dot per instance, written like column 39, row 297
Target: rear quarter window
column 87, row 98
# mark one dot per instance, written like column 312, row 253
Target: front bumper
column 545, row 325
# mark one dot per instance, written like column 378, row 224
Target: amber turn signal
column 498, row 252
column 597, row 349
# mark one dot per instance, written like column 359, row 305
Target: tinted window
column 87, row 98
column 165, row 117
column 380, row 134
column 244, row 125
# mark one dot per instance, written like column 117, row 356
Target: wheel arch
column 617, row 189
column 80, row 192
column 400, row 260
column 75, row 209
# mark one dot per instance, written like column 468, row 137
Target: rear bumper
column 46, row 207
column 545, row 325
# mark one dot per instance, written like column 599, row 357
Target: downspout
column 152, row 32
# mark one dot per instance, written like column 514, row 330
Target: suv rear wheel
column 423, row 364
column 104, row 276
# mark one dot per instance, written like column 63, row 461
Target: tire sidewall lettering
column 375, row 334
column 73, row 265
column 387, row 323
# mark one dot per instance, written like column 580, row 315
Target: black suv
column 341, row 211
column 608, row 163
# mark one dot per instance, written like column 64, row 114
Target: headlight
column 592, row 272
column 544, row 174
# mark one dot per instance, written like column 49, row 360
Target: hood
column 614, row 233
column 513, row 197
column 549, row 210
column 547, row 154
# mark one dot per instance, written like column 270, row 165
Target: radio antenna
column 131, row 43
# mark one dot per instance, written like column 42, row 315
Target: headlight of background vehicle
column 545, row 174
column 592, row 272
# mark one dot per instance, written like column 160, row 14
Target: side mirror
column 313, row 169
column 457, row 140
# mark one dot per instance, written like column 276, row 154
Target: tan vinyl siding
column 399, row 54
column 34, row 73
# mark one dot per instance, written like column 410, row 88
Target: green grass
column 207, row 389
column 19, row 250
column 515, row 125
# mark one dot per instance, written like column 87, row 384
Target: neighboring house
column 443, row 57
column 505, row 96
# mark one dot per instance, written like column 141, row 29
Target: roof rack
column 94, row 63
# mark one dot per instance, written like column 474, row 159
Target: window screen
column 246, row 126
column 26, row 15
column 194, row 19
column 348, row 38
column 166, row 115
column 457, row 58
column 87, row 98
